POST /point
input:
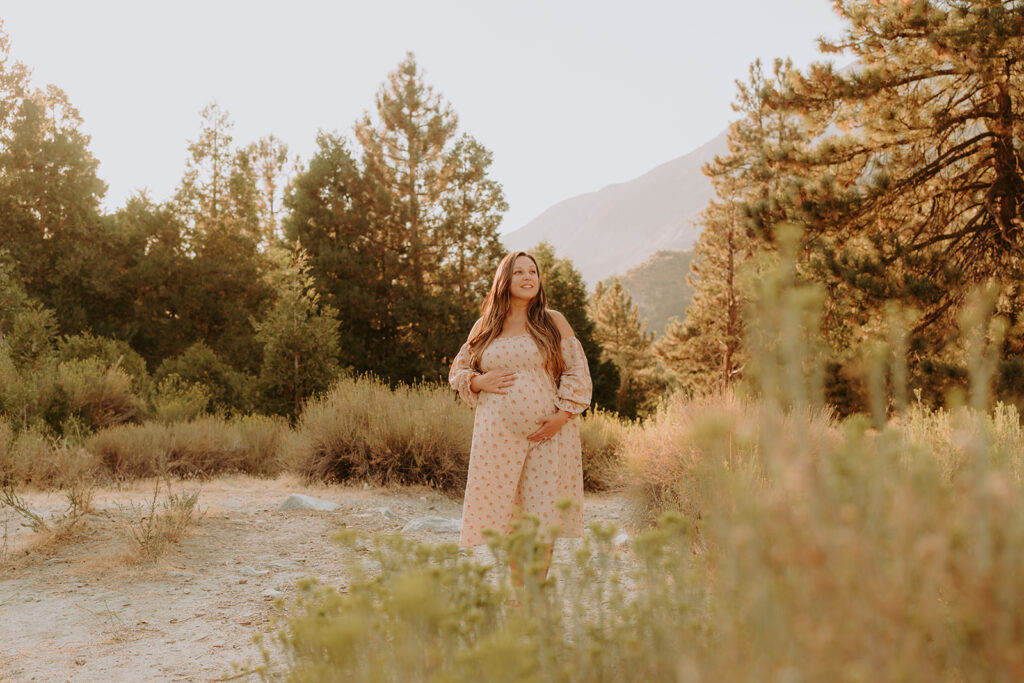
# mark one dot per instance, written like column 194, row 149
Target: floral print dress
column 508, row 475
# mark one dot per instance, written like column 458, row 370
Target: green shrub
column 177, row 400
column 28, row 398
column 433, row 614
column 229, row 391
column 113, row 352
column 364, row 430
column 97, row 394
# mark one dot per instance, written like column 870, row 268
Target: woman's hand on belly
column 494, row 382
column 549, row 426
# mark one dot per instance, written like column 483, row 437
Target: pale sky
column 570, row 96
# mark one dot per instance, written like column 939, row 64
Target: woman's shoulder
column 564, row 328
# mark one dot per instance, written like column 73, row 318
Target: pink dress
column 509, row 475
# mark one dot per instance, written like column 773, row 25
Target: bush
column 203, row 447
column 30, row 456
column 363, row 430
column 67, row 398
column 672, row 460
column 176, row 400
column 229, row 391
column 433, row 614
column 98, row 395
column 824, row 552
column 114, row 353
column 601, row 434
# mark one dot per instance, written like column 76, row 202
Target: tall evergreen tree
column 705, row 351
column 913, row 188
column 299, row 337
column 625, row 342
column 418, row 221
column 270, row 161
column 49, row 197
column 326, row 215
column 217, row 202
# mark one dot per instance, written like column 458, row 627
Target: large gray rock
column 297, row 501
column 441, row 525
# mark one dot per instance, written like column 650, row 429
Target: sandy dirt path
column 80, row 610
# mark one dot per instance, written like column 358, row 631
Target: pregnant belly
column 522, row 406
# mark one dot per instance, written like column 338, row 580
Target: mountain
column 622, row 225
column 659, row 289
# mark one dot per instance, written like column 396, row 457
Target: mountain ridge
column 621, row 225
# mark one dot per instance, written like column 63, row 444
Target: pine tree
column 704, row 351
column 269, row 157
column 419, row 222
column 327, row 216
column 49, row 197
column 299, row 337
column 914, row 187
column 217, row 193
column 217, row 202
column 626, row 343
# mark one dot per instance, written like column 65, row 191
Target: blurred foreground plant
column 420, row 612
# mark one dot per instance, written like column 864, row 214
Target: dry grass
column 152, row 528
column 673, row 460
column 34, row 458
column 601, row 435
column 364, row 430
column 203, row 447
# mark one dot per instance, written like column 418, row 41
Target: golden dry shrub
column 601, row 434
column 32, row 457
column 203, row 447
column 364, row 430
column 674, row 460
column 99, row 395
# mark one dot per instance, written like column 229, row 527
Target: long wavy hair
column 538, row 323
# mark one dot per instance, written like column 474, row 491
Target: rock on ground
column 298, row 501
column 433, row 523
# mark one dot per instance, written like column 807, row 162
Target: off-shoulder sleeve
column 461, row 374
column 574, row 386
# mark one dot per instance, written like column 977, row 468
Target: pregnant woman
column 525, row 372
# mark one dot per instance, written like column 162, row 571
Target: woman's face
column 525, row 281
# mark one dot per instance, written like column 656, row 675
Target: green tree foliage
column 433, row 216
column 227, row 390
column 403, row 234
column 156, row 270
column 625, row 342
column 912, row 190
column 704, row 351
column 113, row 353
column 326, row 215
column 217, row 202
column 567, row 294
column 299, row 337
column 49, row 198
